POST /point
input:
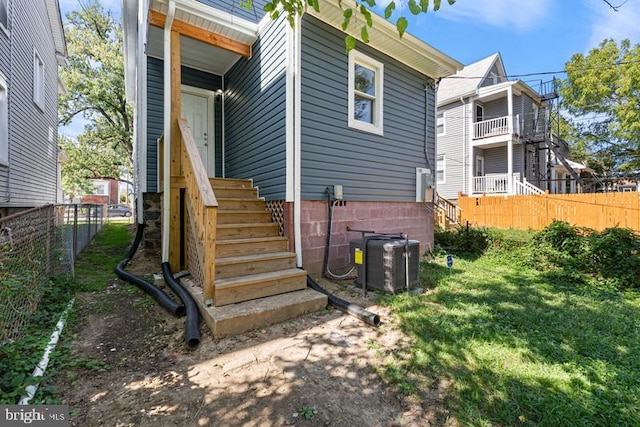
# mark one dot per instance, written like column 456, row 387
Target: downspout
column 166, row 166
column 427, row 86
column 222, row 96
column 510, row 142
column 465, row 143
column 141, row 115
column 297, row 144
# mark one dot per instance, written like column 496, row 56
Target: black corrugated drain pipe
column 192, row 332
column 158, row 294
column 355, row 310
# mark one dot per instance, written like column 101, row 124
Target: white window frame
column 38, row 80
column 100, row 188
column 441, row 116
column 5, row 28
column 4, row 121
column 376, row 127
column 441, row 160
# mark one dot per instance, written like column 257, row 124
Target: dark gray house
column 32, row 46
column 292, row 111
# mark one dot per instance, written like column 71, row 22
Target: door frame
column 479, row 160
column 211, row 138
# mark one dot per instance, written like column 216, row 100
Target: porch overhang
column 383, row 36
column 494, row 141
column 518, row 87
column 211, row 40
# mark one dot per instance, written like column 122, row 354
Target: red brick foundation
column 413, row 219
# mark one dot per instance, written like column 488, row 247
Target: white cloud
column 607, row 23
column 521, row 15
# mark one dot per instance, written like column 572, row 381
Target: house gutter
column 166, row 185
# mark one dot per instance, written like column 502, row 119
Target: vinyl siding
column 496, row 108
column 5, row 72
column 495, row 159
column 255, row 119
column 155, row 113
column 31, row 178
column 370, row 167
column 452, row 144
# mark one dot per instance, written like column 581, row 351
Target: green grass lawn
column 520, row 345
column 95, row 265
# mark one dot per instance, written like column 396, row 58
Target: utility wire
column 508, row 76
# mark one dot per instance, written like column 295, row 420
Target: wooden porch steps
column 257, row 282
column 239, row 247
column 241, row 217
column 247, row 230
column 254, row 264
column 251, row 287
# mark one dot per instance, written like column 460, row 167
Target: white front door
column 197, row 108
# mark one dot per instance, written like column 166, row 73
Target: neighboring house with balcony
column 493, row 135
column 32, row 46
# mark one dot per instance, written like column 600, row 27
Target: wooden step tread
column 247, row 225
column 231, row 182
column 251, row 240
column 257, row 278
column 238, row 199
column 254, row 258
column 243, row 211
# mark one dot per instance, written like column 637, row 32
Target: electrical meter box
column 385, row 262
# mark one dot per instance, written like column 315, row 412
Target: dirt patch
column 136, row 370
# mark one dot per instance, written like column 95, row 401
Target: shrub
column 462, row 239
column 610, row 257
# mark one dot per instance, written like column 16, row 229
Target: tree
column 295, row 8
column 602, row 91
column 87, row 161
column 95, row 86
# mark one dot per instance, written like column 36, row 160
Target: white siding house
column 494, row 135
column 32, row 46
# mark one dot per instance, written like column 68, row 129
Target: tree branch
column 615, row 8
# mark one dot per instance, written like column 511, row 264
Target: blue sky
column 533, row 36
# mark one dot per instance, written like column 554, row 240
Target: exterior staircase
column 257, row 282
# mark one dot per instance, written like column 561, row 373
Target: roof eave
column 57, row 30
column 383, row 36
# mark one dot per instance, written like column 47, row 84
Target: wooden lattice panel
column 276, row 207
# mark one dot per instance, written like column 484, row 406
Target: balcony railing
column 499, row 184
column 504, row 125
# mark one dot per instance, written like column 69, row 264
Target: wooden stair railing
column 202, row 211
column 449, row 212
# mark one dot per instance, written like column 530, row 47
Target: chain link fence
column 36, row 245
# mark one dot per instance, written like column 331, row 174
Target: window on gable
column 38, row 80
column 440, row 123
column 4, row 15
column 441, row 169
column 365, row 93
column 4, row 122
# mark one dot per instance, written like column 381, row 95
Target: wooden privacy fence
column 593, row 210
